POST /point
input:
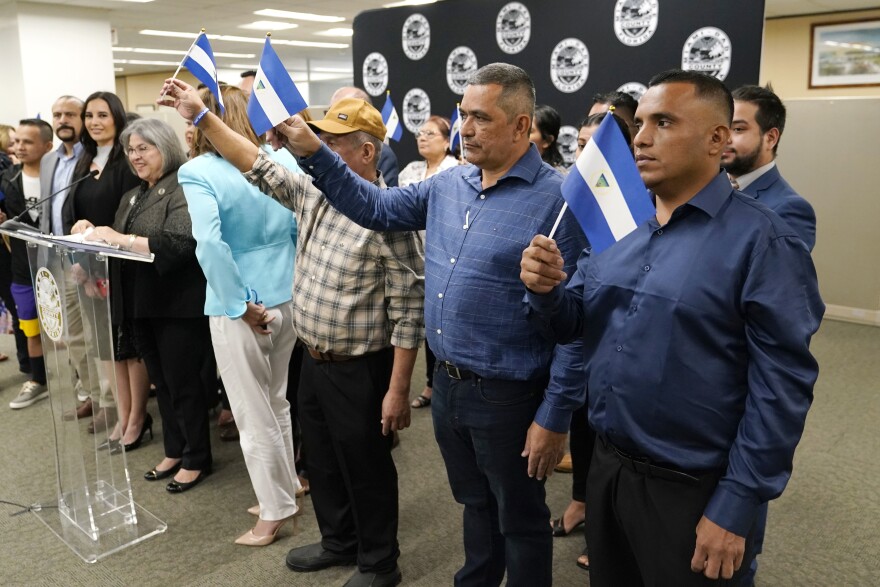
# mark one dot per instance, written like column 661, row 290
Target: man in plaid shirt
column 359, row 309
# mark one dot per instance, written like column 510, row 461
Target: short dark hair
column 705, row 86
column 618, row 100
column 249, row 73
column 771, row 110
column 517, row 88
column 44, row 127
column 596, row 120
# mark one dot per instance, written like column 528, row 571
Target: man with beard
column 56, row 171
column 750, row 159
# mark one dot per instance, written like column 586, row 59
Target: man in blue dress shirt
column 500, row 427
column 696, row 331
column 750, row 159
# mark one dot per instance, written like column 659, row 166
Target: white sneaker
column 81, row 394
column 31, row 392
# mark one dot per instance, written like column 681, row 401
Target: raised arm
column 233, row 147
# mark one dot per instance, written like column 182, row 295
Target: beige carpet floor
column 825, row 530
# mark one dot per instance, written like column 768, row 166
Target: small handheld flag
column 199, row 60
column 604, row 189
column 392, row 121
column 455, row 129
column 274, row 97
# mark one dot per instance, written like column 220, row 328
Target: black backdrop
column 612, row 62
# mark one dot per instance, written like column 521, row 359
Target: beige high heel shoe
column 254, row 510
column 251, row 539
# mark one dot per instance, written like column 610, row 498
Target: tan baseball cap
column 351, row 115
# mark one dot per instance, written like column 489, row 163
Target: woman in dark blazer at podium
column 96, row 200
column 162, row 303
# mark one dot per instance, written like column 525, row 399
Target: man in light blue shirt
column 56, row 168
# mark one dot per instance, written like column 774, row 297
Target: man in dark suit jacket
column 750, row 160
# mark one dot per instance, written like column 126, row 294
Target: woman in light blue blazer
column 245, row 246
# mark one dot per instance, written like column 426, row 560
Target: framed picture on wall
column 845, row 54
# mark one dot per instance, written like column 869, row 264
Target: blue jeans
column 480, row 426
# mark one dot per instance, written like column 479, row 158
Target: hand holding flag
column 392, row 121
column 274, row 97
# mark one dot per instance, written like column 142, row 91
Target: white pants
column 254, row 370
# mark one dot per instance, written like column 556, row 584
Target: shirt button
column 659, row 232
column 633, row 309
column 311, row 166
column 482, row 196
column 440, row 295
column 619, row 348
column 647, row 267
column 438, row 331
column 452, row 260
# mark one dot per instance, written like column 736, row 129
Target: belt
column 644, row 467
column 456, row 373
column 329, row 357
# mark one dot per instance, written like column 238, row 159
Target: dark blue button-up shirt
column 696, row 344
column 473, row 295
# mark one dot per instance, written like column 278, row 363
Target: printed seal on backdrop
column 569, row 65
column 49, row 304
column 375, row 74
column 568, row 144
column 707, row 50
column 416, row 37
column 513, row 27
column 634, row 89
column 635, row 21
column 416, row 109
column 460, row 64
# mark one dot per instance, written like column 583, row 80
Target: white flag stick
column 180, row 65
column 558, row 220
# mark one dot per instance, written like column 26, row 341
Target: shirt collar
column 526, row 169
column 752, row 176
column 62, row 152
column 713, row 195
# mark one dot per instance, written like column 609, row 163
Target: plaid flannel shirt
column 355, row 290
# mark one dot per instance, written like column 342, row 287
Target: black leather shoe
column 313, row 557
column 158, row 475
column 360, row 579
column 178, row 487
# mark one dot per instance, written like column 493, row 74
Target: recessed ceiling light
column 118, row 69
column 269, row 25
column 408, row 3
column 298, row 15
column 237, row 39
column 336, row 33
column 179, row 52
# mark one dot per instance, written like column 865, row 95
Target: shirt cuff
column 408, row 336
column 320, row 162
column 235, row 314
column 546, row 303
column 552, row 418
column 732, row 512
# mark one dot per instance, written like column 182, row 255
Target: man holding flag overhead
column 696, row 330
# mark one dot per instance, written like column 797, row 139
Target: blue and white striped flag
column 200, row 62
column 274, row 97
column 455, row 128
column 394, row 130
column 604, row 189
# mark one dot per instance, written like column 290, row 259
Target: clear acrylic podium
column 96, row 514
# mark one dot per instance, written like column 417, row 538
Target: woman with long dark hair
column 545, row 135
column 96, row 200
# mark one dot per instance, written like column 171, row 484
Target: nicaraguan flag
column 391, row 120
column 200, row 62
column 455, row 129
column 274, row 97
column 604, row 189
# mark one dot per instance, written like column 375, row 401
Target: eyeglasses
column 140, row 150
column 428, row 134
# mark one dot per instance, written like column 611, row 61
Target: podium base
column 109, row 541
